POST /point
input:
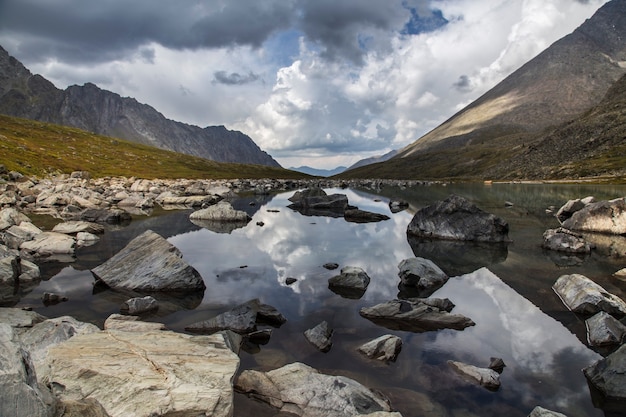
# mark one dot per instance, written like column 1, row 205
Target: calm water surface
column 506, row 290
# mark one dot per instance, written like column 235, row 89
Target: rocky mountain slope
column 567, row 79
column 90, row 108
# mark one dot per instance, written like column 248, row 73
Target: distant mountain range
column 90, row 108
column 373, row 160
column 319, row 172
column 548, row 119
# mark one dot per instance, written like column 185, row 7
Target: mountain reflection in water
column 505, row 289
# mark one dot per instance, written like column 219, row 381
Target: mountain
column 561, row 83
column 319, row 172
column 90, row 108
column 373, row 160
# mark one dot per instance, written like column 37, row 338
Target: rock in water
column 146, row 373
column 385, row 348
column 421, row 273
column 582, row 295
column 320, row 336
column 608, row 377
column 351, row 283
column 301, row 390
column 485, row 377
column 455, row 218
column 602, row 217
column 542, row 412
column 149, row 263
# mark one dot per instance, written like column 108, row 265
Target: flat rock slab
column 303, row 391
column 582, row 295
column 222, row 211
column 146, row 374
column 50, row 243
column 414, row 316
column 73, row 227
column 456, row 218
column 149, row 263
column 363, row 216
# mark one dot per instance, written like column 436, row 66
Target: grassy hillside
column 35, row 148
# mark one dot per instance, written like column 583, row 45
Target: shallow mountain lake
column 504, row 289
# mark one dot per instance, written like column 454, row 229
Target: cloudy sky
column 313, row 82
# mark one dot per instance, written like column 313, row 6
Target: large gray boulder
column 20, row 392
column 301, row 390
column 604, row 330
column 572, row 206
column 145, row 373
column 73, row 227
column 315, row 201
column 564, row 240
column 421, row 273
column 455, row 218
column 241, row 319
column 149, row 263
column 608, row 377
column 10, row 216
column 222, row 211
column 582, row 295
column 352, row 282
column 15, row 235
column 49, row 244
column 602, row 217
column 415, row 315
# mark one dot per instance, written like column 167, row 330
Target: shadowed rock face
column 455, row 218
column 607, row 379
column 149, row 263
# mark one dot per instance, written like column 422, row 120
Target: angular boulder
column 149, row 263
column 543, row 412
column 582, row 295
column 572, row 206
column 384, row 348
column 50, row 243
column 241, row 319
column 564, row 240
column 352, row 282
column 222, row 211
column 485, row 377
column 414, row 315
column 315, row 201
column 145, row 373
column 421, row 273
column 601, row 217
column 604, row 330
column 320, row 336
column 298, row 389
column 73, row 227
column 11, row 217
column 456, row 218
column 139, row 305
column 608, row 378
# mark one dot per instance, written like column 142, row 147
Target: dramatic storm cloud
column 320, row 83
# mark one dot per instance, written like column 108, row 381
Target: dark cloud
column 72, row 31
column 463, row 83
column 234, row 78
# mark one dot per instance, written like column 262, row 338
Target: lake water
column 506, row 290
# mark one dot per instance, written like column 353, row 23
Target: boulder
column 298, row 389
column 385, row 348
column 50, row 243
column 543, row 412
column 363, row 216
column 351, row 283
column 20, row 392
column 582, row 295
column 86, row 239
column 74, row 227
column 320, row 336
column 10, row 217
column 109, row 216
column 145, row 373
column 222, row 212
column 15, row 235
column 241, row 319
column 456, row 218
column 149, row 263
column 397, row 206
column 20, row 319
column 601, row 217
column 564, row 240
column 315, row 202
column 139, row 305
column 421, row 273
column 604, row 330
column 569, row 208
column 607, row 377
column 415, row 315
column 485, row 377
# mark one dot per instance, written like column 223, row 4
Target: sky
column 321, row 83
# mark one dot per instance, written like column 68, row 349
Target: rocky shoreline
column 62, row 367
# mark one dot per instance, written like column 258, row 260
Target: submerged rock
column 456, row 218
column 564, row 240
column 300, row 390
column 485, row 377
column 414, row 315
column 320, row 336
column 149, row 263
column 582, row 295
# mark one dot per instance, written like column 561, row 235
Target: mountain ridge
column 103, row 112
